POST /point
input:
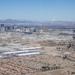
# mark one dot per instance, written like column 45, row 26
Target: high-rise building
column 2, row 27
column 9, row 28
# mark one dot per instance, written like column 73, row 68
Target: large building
column 9, row 28
column 4, row 28
column 1, row 27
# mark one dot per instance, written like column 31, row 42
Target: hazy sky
column 38, row 10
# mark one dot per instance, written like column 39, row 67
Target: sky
column 38, row 10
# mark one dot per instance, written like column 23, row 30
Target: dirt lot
column 55, row 59
column 50, row 62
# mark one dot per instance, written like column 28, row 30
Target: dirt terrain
column 56, row 57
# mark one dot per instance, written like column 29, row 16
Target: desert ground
column 23, row 55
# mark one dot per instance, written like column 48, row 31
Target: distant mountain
column 57, row 24
column 14, row 21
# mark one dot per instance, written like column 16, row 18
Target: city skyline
column 38, row 10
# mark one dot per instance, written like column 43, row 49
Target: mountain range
column 14, row 21
column 44, row 23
